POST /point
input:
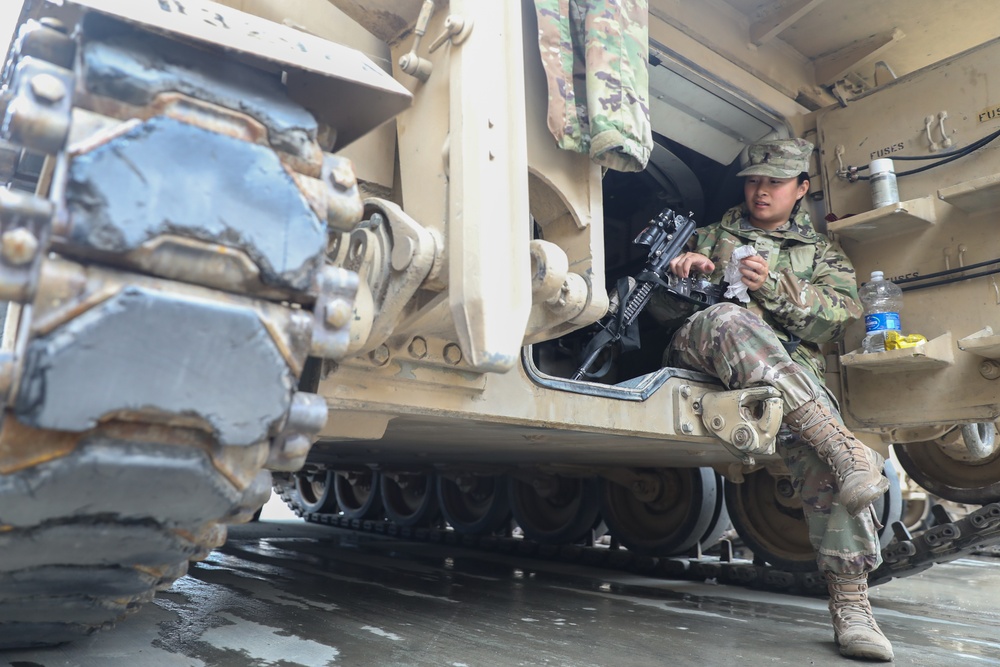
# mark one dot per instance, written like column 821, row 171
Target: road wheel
column 474, row 504
column 947, row 468
column 557, row 510
column 358, row 494
column 768, row 516
column 410, row 499
column 314, row 492
column 668, row 512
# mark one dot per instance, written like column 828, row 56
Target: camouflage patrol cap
column 778, row 158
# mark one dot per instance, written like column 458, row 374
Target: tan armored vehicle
column 335, row 240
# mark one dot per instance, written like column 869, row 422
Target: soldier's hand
column 754, row 269
column 683, row 264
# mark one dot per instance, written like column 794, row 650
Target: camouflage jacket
column 596, row 56
column 811, row 289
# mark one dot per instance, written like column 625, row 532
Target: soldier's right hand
column 683, row 264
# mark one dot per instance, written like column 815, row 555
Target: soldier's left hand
column 754, row 269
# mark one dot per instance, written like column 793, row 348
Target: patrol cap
column 778, row 158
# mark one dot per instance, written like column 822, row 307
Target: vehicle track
column 87, row 538
column 904, row 556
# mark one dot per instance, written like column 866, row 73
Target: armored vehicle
column 337, row 241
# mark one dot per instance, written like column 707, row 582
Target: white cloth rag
column 737, row 288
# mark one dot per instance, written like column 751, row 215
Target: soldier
column 802, row 293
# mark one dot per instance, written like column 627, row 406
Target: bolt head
column 718, row 422
column 47, row 88
column 18, row 246
column 380, row 355
column 685, row 390
column 338, row 313
column 341, row 174
column 418, row 348
column 743, row 436
column 686, row 427
column 452, row 354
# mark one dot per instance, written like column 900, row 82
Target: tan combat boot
column 859, row 480
column 854, row 628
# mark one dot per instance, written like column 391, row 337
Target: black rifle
column 666, row 235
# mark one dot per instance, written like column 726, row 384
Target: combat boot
column 854, row 628
column 860, row 481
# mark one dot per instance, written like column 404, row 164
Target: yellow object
column 896, row 341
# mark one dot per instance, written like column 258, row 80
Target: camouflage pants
column 736, row 346
column 596, row 54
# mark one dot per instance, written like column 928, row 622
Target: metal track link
column 89, row 537
column 903, row 557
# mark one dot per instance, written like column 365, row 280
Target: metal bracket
column 409, row 253
column 335, row 290
column 37, row 114
column 25, row 223
column 343, row 199
column 306, row 417
column 746, row 420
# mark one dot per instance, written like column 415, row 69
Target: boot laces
column 854, row 610
column 852, row 606
column 846, row 459
column 846, row 462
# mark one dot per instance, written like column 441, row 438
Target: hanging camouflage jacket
column 596, row 54
column 810, row 291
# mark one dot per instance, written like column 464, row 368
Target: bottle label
column 881, row 322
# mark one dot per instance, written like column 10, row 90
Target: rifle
column 665, row 236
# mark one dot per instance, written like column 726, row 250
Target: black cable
column 960, row 269
column 988, row 138
column 951, row 280
column 943, row 158
column 971, row 147
column 958, row 151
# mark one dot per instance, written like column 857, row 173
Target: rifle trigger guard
column 746, row 420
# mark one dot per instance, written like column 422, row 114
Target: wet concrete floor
column 287, row 593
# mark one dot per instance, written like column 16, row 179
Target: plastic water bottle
column 882, row 300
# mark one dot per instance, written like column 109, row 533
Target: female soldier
column 802, row 293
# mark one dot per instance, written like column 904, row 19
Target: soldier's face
column 770, row 200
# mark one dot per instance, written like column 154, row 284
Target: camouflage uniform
column 596, row 54
column 810, row 292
